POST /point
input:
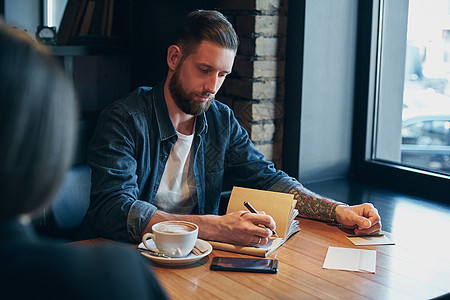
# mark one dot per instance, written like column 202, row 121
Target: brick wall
column 255, row 89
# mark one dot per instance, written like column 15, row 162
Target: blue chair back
column 69, row 207
column 72, row 200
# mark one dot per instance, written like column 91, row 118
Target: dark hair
column 209, row 25
column 37, row 124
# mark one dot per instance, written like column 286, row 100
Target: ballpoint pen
column 253, row 210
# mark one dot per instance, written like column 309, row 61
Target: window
column 426, row 142
column 402, row 94
column 53, row 11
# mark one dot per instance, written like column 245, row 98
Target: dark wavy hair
column 38, row 114
column 206, row 25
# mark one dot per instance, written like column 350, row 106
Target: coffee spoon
column 154, row 253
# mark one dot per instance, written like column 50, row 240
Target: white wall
column 24, row 14
column 328, row 83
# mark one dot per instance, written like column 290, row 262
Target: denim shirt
column 129, row 150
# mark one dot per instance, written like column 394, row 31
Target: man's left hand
column 363, row 218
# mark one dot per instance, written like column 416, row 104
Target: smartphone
column 237, row 264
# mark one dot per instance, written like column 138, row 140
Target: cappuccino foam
column 175, row 228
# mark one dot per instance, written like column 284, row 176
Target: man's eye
column 204, row 70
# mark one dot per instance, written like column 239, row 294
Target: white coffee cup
column 173, row 238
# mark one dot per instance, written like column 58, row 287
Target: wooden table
column 403, row 272
column 413, row 268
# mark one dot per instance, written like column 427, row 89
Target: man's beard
column 184, row 100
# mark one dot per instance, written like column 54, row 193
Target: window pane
column 426, row 101
column 422, row 42
column 53, row 12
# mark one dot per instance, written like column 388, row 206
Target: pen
column 253, row 210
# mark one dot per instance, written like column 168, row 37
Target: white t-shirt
column 176, row 192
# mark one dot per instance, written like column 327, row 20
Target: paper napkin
column 350, row 259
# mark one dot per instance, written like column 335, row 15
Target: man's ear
column 173, row 57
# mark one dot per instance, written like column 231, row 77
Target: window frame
column 410, row 180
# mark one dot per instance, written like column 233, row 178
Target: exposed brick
column 256, row 87
column 238, row 87
column 246, row 67
column 270, row 151
column 265, row 68
column 267, row 5
column 263, row 111
column 267, row 110
column 258, row 90
column 243, row 111
column 266, row 89
column 243, row 67
column 266, row 25
column 266, row 150
column 266, row 46
column 262, row 132
column 245, row 122
column 255, row 112
column 247, row 46
column 245, row 26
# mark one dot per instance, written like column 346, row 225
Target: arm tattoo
column 313, row 206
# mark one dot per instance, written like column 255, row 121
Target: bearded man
column 168, row 152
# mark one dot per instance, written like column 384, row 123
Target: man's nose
column 212, row 84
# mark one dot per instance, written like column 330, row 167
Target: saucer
column 178, row 261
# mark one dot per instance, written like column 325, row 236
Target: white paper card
column 384, row 239
column 349, row 259
column 367, row 241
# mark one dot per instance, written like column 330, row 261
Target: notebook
column 281, row 206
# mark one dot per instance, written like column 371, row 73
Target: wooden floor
column 401, row 214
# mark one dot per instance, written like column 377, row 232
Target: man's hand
column 239, row 228
column 363, row 218
column 245, row 228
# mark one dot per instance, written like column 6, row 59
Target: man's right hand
column 245, row 228
column 239, row 228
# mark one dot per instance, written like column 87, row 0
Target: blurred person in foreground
column 37, row 136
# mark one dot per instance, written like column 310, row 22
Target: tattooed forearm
column 313, row 206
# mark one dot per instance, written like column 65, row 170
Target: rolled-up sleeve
column 138, row 217
column 285, row 184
